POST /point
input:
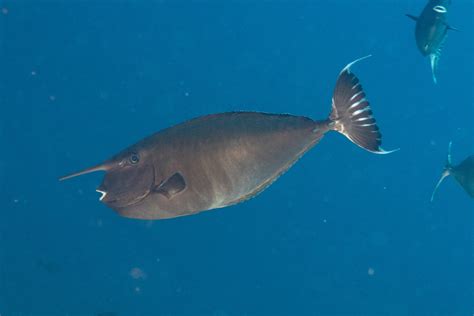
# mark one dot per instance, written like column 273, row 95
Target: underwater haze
column 343, row 232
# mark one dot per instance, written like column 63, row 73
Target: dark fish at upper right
column 463, row 173
column 431, row 30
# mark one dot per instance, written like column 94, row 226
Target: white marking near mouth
column 103, row 194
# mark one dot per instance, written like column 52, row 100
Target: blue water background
column 344, row 232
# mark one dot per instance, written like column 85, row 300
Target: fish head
column 128, row 180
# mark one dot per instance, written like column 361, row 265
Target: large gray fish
column 222, row 159
column 463, row 173
column 431, row 30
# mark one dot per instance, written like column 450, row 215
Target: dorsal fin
column 448, row 160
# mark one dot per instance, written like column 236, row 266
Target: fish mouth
column 117, row 202
column 104, row 193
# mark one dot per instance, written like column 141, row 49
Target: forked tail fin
column 446, row 172
column 351, row 114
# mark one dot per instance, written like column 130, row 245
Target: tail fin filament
column 443, row 176
column 446, row 171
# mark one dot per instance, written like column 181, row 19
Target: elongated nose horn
column 100, row 167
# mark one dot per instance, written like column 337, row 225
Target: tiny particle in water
column 103, row 95
column 371, row 271
column 325, row 221
column 137, row 273
column 4, row 11
column 16, row 201
column 137, row 289
column 33, row 73
column 186, row 94
column 52, row 98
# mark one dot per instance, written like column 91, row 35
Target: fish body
column 463, row 173
column 431, row 31
column 218, row 160
column 222, row 159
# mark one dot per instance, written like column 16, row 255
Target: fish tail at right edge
column 351, row 114
column 446, row 172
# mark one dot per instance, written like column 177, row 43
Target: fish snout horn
column 100, row 167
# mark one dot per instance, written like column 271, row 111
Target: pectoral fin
column 415, row 18
column 171, row 186
column 453, row 28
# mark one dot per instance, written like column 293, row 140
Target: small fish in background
column 431, row 30
column 463, row 173
column 223, row 159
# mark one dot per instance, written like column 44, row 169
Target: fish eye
column 134, row 158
